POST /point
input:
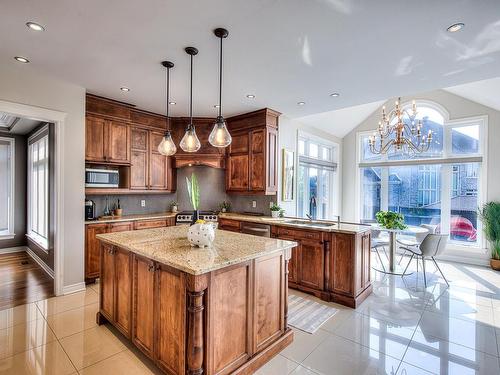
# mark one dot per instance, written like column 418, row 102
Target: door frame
column 58, row 118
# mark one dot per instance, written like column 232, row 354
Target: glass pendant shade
column 167, row 145
column 190, row 141
column 220, row 137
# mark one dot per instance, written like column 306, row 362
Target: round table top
column 410, row 229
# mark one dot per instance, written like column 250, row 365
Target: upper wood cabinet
column 106, row 141
column 252, row 156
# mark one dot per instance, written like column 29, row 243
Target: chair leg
column 417, row 265
column 441, row 272
column 402, row 255
column 423, row 267
column 379, row 258
column 411, row 258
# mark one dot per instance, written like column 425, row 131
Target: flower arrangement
column 391, row 220
column 225, row 206
column 276, row 210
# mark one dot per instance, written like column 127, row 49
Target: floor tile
column 279, row 365
column 335, row 321
column 73, row 321
column 303, row 344
column 463, row 310
column 339, row 356
column 123, row 363
column 91, row 346
column 95, row 287
column 19, row 314
column 377, row 334
column 48, row 359
column 24, row 336
column 301, row 370
column 449, row 358
column 56, row 305
column 475, row 336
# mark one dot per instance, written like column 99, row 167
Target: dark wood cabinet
column 230, row 225
column 106, row 141
column 151, row 223
column 108, row 281
column 161, row 173
column 139, row 159
column 252, row 155
column 311, row 264
column 95, row 130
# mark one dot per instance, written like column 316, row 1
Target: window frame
column 10, row 234
column 454, row 250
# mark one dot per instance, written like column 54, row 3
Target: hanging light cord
column 191, row 97
column 167, row 84
column 220, row 80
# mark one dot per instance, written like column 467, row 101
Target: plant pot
column 275, row 214
column 224, row 210
column 174, row 208
column 495, row 264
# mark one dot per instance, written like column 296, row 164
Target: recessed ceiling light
column 455, row 27
column 21, row 59
column 335, row 95
column 35, row 26
column 301, row 103
column 251, row 96
column 172, row 103
column 126, row 89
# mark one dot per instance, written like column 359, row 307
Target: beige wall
column 22, row 84
column 287, row 138
column 457, row 107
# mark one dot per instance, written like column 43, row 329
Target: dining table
column 395, row 269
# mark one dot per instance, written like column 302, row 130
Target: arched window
column 441, row 186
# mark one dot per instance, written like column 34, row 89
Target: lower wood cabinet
column 230, row 225
column 311, row 264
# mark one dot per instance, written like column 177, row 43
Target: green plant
column 193, row 191
column 275, row 207
column 173, row 203
column 225, row 205
column 282, row 213
column 490, row 216
column 391, row 220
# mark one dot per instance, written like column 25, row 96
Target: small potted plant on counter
column 225, row 206
column 391, row 220
column 275, row 210
column 173, row 206
column 490, row 216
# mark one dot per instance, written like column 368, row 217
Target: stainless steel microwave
column 101, row 178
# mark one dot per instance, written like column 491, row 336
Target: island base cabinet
column 228, row 321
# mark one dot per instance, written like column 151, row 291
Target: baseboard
column 40, row 262
column 476, row 261
column 16, row 249
column 73, row 288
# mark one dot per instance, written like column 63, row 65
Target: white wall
column 22, row 84
column 457, row 107
column 287, row 138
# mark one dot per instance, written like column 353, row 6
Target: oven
column 185, row 217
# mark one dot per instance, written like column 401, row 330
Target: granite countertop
column 305, row 224
column 160, row 215
column 170, row 246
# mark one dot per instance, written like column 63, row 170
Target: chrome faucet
column 309, row 217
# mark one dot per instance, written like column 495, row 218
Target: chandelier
column 400, row 131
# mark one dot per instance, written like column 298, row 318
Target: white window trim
column 11, row 234
column 454, row 251
column 39, row 240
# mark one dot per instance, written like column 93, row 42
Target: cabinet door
column 230, row 225
column 271, row 160
column 143, row 302
column 293, row 265
column 343, row 263
column 139, row 159
column 95, row 139
column 123, row 291
column 237, row 173
column 365, row 260
column 311, row 264
column 107, row 281
column 258, row 160
column 121, row 226
column 148, row 224
column 92, row 249
column 118, row 142
column 158, row 166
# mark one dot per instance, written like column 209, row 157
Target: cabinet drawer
column 147, row 224
column 231, row 225
column 299, row 234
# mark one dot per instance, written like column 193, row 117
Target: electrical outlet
column 254, row 204
column 143, row 203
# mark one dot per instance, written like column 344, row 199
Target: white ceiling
column 283, row 51
column 484, row 92
column 17, row 125
column 341, row 121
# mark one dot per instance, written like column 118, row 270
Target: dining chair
column 379, row 242
column 419, row 237
column 431, row 246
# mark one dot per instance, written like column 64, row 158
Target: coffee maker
column 90, row 213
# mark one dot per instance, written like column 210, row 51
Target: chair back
column 433, row 244
column 431, row 229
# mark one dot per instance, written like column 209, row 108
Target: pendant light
column 219, row 136
column 167, row 145
column 190, row 142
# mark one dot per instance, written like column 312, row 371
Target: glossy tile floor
column 402, row 328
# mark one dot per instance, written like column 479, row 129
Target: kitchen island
column 218, row 310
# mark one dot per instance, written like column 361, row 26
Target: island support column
column 195, row 351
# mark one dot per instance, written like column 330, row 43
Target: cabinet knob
column 151, row 268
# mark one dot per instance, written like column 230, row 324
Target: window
column 317, row 179
column 38, row 189
column 6, row 187
column 441, row 186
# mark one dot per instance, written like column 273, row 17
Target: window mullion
column 446, row 173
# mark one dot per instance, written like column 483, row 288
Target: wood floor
column 22, row 280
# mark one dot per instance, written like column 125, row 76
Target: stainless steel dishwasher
column 262, row 230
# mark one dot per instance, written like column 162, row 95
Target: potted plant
column 225, row 206
column 275, row 210
column 173, row 206
column 194, row 196
column 391, row 220
column 490, row 216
